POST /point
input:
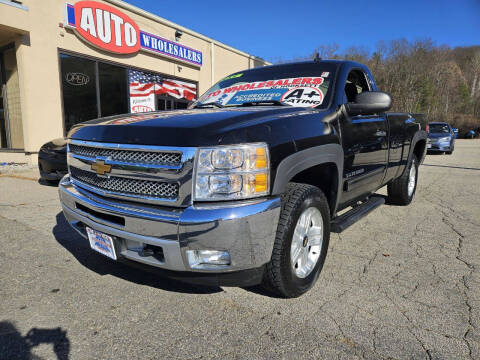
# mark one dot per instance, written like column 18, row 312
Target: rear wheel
column 401, row 191
column 301, row 242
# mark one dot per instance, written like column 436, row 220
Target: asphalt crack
column 419, row 340
column 465, row 288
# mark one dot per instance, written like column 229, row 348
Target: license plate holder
column 101, row 243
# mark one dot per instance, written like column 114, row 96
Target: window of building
column 113, row 89
column 149, row 91
column 79, row 90
column 11, row 127
column 3, row 110
column 169, row 103
column 93, row 89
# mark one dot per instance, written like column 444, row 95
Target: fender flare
column 305, row 159
column 419, row 135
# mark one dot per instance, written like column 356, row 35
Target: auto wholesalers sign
column 104, row 27
column 109, row 29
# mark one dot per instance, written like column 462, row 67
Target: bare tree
column 476, row 71
column 441, row 82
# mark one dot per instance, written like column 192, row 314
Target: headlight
column 444, row 139
column 232, row 172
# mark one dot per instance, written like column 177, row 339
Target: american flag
column 144, row 84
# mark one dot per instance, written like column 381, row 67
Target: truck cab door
column 365, row 144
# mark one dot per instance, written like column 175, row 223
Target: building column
column 212, row 62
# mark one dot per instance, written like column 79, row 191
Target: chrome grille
column 145, row 173
column 127, row 186
column 130, row 156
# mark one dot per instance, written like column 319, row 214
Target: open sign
column 106, row 27
column 77, row 79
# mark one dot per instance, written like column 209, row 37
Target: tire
column 282, row 276
column 451, row 150
column 398, row 189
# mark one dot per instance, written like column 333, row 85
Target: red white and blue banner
column 111, row 30
column 144, row 86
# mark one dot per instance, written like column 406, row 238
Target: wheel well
column 419, row 149
column 323, row 176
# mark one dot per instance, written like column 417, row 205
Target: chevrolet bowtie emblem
column 101, row 168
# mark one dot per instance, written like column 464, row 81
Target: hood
column 196, row 127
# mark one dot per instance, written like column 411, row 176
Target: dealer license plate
column 102, row 243
column 429, row 146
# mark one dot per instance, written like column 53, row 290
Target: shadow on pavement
column 15, row 346
column 52, row 183
column 80, row 249
column 260, row 290
column 450, row 166
column 386, row 199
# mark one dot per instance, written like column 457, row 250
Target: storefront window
column 142, row 91
column 168, row 103
column 113, row 89
column 3, row 112
column 11, row 126
column 164, row 103
column 79, row 90
column 149, row 92
column 119, row 90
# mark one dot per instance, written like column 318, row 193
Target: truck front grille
column 141, row 157
column 143, row 173
column 127, row 186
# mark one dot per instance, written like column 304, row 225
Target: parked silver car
column 441, row 138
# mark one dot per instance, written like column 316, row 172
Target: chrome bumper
column 246, row 229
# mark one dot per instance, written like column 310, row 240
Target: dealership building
column 65, row 62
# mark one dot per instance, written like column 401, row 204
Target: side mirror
column 369, row 102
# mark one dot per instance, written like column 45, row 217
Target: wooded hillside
column 442, row 82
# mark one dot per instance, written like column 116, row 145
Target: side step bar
column 343, row 221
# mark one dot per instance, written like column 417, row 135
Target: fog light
column 65, row 181
column 200, row 259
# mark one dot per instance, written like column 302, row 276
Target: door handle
column 380, row 133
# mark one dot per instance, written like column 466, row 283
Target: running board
column 343, row 221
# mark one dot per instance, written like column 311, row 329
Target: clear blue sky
column 272, row 29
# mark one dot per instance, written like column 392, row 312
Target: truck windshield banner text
column 301, row 91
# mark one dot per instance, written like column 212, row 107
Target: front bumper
column 246, row 229
column 438, row 146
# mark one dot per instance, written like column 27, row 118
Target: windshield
column 303, row 85
column 439, row 128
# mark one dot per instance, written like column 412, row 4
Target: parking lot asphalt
column 402, row 283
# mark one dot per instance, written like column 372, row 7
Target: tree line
column 439, row 81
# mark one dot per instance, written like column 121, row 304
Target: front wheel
column 451, row 150
column 301, row 242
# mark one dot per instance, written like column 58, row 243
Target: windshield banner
column 303, row 92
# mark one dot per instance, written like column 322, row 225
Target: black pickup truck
column 245, row 186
